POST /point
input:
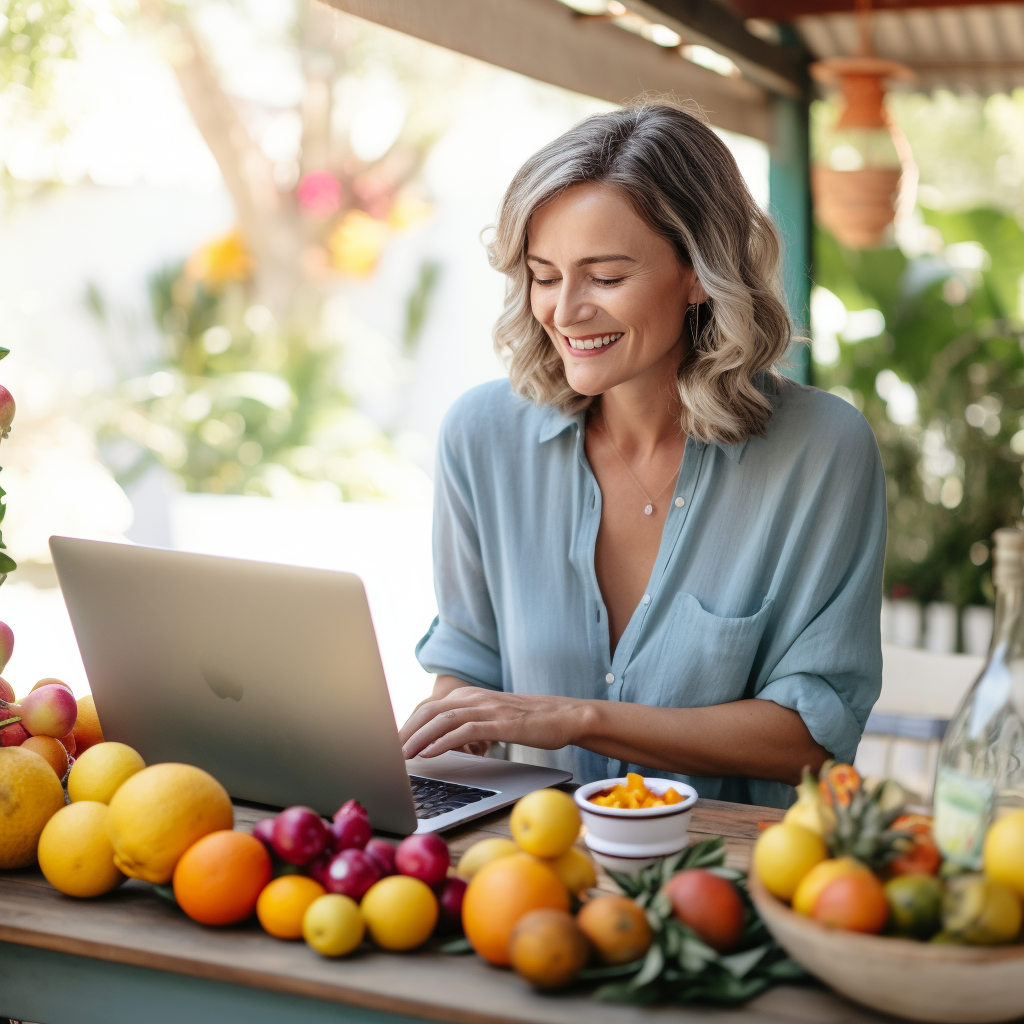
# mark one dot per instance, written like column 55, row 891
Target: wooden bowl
column 917, row 980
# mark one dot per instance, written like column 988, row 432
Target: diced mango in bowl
column 635, row 795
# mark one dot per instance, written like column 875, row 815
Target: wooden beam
column 787, row 10
column 782, row 69
column 545, row 40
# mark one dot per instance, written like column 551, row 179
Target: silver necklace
column 649, row 507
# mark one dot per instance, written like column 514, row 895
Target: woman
column 652, row 552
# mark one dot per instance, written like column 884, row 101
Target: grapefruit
column 30, row 794
column 502, row 892
column 157, row 814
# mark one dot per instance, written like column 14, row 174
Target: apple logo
column 223, row 686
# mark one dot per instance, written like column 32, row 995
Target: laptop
column 268, row 677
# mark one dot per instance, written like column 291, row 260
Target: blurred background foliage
column 926, row 337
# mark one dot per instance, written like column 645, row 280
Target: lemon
column 400, row 912
column 1003, row 852
column 811, row 885
column 575, row 869
column 483, row 852
column 159, row 813
column 75, row 853
column 332, row 925
column 99, row 772
column 30, row 794
column 980, row 911
column 783, row 854
column 545, row 823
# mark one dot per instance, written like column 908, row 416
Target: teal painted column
column 789, row 189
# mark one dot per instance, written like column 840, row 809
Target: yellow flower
column 356, row 243
column 222, row 260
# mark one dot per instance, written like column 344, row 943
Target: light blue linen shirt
column 767, row 584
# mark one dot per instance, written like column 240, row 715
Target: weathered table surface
column 132, row 956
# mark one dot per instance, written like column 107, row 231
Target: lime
column 915, row 905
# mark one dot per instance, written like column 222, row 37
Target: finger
column 442, row 723
column 470, row 732
column 428, row 709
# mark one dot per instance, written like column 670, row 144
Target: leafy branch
column 679, row 967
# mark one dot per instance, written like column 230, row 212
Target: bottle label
column 963, row 810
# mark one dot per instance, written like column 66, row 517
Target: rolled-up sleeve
column 826, row 661
column 463, row 640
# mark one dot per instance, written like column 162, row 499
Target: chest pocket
column 696, row 659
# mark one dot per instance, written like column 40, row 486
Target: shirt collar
column 557, row 422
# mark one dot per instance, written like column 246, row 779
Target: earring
column 696, row 322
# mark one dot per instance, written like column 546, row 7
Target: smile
column 593, row 342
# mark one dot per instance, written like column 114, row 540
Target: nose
column 573, row 306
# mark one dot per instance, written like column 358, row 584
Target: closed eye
column 608, row 280
column 550, row 280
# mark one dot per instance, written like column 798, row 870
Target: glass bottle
column 980, row 773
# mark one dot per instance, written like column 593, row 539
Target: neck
column 643, row 413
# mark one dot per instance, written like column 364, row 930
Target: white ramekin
column 629, row 840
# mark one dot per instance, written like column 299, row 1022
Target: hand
column 470, row 715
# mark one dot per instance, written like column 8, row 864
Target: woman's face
column 609, row 291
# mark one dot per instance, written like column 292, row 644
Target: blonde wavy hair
column 681, row 179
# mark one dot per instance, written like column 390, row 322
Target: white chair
column 920, row 694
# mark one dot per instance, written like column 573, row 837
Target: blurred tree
column 931, row 347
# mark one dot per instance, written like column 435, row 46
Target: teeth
column 592, row 343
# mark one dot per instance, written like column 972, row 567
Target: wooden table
column 133, row 958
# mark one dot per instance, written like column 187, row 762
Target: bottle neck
column 1006, row 627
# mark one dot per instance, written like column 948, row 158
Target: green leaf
column 166, row 892
column 653, row 963
column 7, row 564
column 614, row 971
column 741, row 964
column 694, row 954
column 4, row 352
column 456, row 947
column 623, row 992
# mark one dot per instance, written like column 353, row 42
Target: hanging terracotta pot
column 859, row 201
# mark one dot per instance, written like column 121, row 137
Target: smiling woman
column 652, row 552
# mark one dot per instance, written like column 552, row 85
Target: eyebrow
column 587, row 260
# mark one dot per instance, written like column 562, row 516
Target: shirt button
column 680, row 502
column 609, row 679
column 647, row 599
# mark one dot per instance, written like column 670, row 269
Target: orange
column 854, row 902
column 50, row 681
column 220, row 877
column 548, row 949
column 283, row 904
column 87, row 729
column 51, row 751
column 617, row 927
column 499, row 894
column 811, row 885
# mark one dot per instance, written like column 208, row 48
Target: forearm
column 748, row 738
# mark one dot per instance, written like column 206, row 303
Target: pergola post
column 789, row 187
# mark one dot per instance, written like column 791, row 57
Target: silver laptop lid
column 267, row 676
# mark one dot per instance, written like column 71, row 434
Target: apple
column 424, row 857
column 708, row 904
column 351, row 873
column 13, row 735
column 6, row 649
column 6, row 412
column 6, row 690
column 449, row 904
column 351, row 807
column 382, row 853
column 299, row 835
column 350, row 832
column 263, row 830
column 48, row 711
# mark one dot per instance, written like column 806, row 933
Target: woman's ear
column 697, row 293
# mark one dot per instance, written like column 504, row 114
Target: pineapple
column 863, row 818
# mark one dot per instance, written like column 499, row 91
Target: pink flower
column 319, row 193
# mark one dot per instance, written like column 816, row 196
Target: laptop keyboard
column 433, row 797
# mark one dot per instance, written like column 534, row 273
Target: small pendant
column 648, row 509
